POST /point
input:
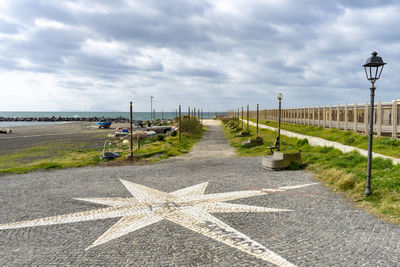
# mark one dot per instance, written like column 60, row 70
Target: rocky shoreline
column 63, row 119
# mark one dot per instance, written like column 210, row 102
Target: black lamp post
column 373, row 69
column 278, row 139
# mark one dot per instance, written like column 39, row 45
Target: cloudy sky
column 58, row 55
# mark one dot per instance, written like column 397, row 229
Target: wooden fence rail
column 347, row 117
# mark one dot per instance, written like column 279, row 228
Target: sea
column 81, row 114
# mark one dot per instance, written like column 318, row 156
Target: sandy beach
column 23, row 137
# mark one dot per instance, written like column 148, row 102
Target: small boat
column 104, row 124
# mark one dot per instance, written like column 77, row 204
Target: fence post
column 338, row 117
column 330, row 116
column 366, row 118
column 308, row 116
column 346, row 117
column 324, row 116
column 355, row 115
column 379, row 120
column 319, row 116
column 242, row 118
column 394, row 119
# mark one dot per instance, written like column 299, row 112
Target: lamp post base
column 367, row 191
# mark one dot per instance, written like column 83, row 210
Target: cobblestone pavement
column 319, row 230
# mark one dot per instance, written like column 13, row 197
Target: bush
column 161, row 137
column 349, row 140
column 174, row 133
column 192, row 126
column 302, row 142
column 388, row 141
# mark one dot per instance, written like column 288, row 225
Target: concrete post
column 355, row 115
column 338, row 117
column 366, row 118
column 330, row 116
column 346, row 117
column 394, row 119
column 379, row 120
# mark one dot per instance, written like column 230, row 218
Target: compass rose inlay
column 188, row 207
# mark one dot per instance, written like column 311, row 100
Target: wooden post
column 330, row 116
column 242, row 118
column 346, row 117
column 247, row 117
column 189, row 115
column 324, row 116
column 257, row 120
column 379, row 120
column 394, row 119
column 338, row 117
column 355, row 111
column 319, row 116
column 304, row 115
column 366, row 118
column 131, row 122
column 180, row 124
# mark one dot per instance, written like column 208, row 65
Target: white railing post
column 355, row 111
column 338, row 117
column 379, row 120
column 394, row 119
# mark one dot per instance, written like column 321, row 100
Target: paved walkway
column 205, row 212
column 213, row 144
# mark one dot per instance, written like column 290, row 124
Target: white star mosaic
column 188, row 207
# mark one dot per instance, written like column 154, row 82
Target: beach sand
column 24, row 137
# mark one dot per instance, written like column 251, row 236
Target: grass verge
column 58, row 155
column 383, row 145
column 342, row 172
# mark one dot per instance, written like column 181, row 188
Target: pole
column 151, row 107
column 189, row 115
column 278, row 145
column 242, row 117
column 131, row 117
column 370, row 133
column 247, row 117
column 180, row 124
column 257, row 119
column 162, row 114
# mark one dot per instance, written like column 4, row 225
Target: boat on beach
column 104, row 124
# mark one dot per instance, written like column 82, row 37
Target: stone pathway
column 212, row 211
column 214, row 144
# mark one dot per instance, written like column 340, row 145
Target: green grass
column 58, row 155
column 383, row 145
column 342, row 172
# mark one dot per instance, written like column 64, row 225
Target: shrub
column 302, row 142
column 174, row 133
column 388, row 141
column 161, row 137
column 349, row 140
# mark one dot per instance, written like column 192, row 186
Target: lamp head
column 373, row 67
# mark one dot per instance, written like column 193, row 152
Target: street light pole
column 278, row 139
column 373, row 70
column 151, row 107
